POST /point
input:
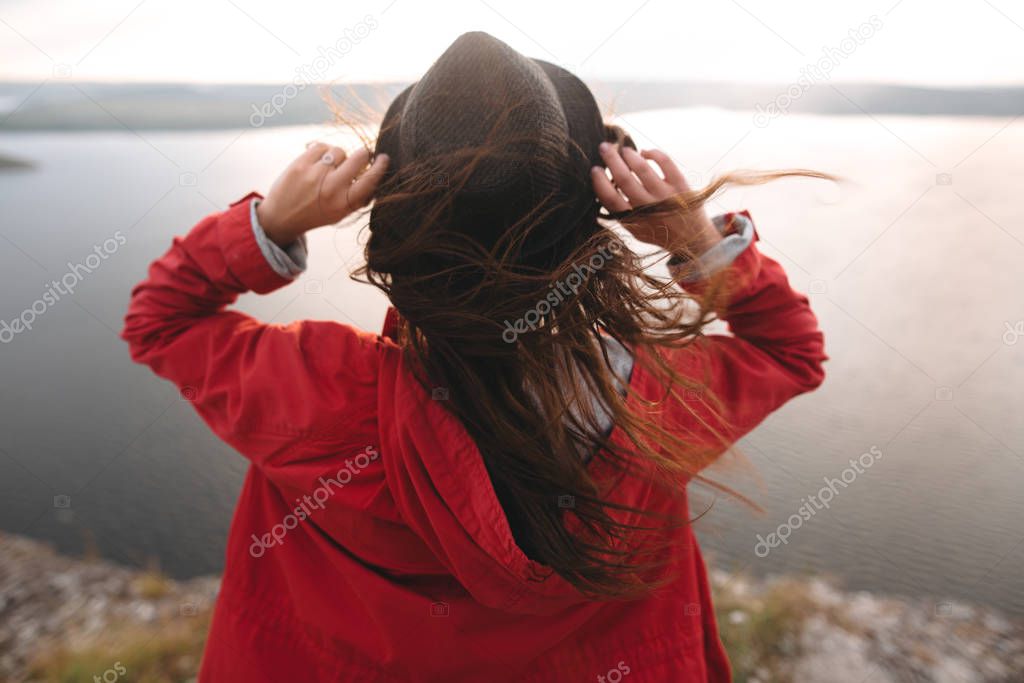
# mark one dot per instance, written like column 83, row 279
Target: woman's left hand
column 321, row 187
column 635, row 183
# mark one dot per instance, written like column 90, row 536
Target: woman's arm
column 259, row 387
column 775, row 350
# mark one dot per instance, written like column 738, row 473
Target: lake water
column 913, row 266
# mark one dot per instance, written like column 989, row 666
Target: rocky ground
column 53, row 607
column 807, row 629
column 67, row 619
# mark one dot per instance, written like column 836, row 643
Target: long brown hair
column 528, row 399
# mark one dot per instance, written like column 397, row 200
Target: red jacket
column 368, row 543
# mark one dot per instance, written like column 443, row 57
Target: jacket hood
column 441, row 488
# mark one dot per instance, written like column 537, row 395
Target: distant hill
column 111, row 106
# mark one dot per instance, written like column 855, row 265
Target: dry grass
column 163, row 653
column 152, row 585
column 762, row 634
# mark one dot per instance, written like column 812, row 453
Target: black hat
column 542, row 120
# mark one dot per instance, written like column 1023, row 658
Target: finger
column 353, row 164
column 338, row 183
column 339, row 179
column 652, row 182
column 333, row 157
column 361, row 191
column 606, row 192
column 314, row 150
column 622, row 176
column 673, row 176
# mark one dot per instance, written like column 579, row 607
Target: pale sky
column 953, row 42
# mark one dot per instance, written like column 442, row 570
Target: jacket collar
column 390, row 329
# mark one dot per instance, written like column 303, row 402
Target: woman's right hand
column 322, row 186
column 635, row 183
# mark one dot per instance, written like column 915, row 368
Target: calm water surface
column 913, row 266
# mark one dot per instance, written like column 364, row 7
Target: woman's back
column 371, row 540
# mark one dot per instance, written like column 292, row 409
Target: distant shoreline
column 174, row 106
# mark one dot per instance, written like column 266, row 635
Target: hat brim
column 586, row 126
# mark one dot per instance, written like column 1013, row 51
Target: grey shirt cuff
column 719, row 256
column 288, row 262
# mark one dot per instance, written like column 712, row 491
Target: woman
column 494, row 488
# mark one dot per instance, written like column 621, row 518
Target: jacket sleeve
column 262, row 388
column 775, row 350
